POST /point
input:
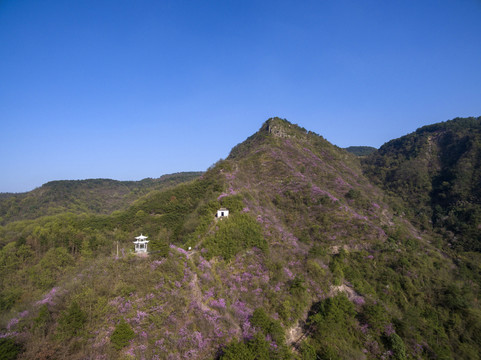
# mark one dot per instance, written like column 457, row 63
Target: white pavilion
column 222, row 213
column 141, row 244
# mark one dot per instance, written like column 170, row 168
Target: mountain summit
column 320, row 257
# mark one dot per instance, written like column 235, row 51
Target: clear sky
column 133, row 89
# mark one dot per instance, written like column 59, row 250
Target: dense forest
column 436, row 171
column 324, row 255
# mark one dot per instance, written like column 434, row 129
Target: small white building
column 222, row 213
column 141, row 244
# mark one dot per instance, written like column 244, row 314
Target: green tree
column 41, row 321
column 398, row 347
column 72, row 320
column 237, row 350
column 53, row 264
column 122, row 334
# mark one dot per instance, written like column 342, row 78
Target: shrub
column 122, row 334
column 398, row 347
column 268, row 326
column 236, row 233
column 9, row 349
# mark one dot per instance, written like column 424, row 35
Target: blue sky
column 133, row 89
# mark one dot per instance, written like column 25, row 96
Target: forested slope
column 437, row 172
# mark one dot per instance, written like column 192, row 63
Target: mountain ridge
column 312, row 246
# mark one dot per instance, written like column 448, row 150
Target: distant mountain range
column 361, row 150
column 327, row 253
column 100, row 196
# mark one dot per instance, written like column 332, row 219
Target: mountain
column 100, row 196
column 361, row 150
column 318, row 259
column 436, row 171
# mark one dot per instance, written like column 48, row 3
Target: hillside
column 312, row 263
column 99, row 196
column 437, row 172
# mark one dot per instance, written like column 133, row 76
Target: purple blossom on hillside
column 231, row 191
column 204, row 264
column 139, row 317
column 209, row 294
column 230, row 176
column 246, row 277
column 389, row 329
column 358, row 300
column 300, row 175
column 271, row 342
column 131, row 350
column 155, row 264
column 156, row 308
column 370, row 257
column 359, row 217
column 218, row 332
column 9, row 335
column 387, row 355
column 222, row 196
column 364, row 328
column 247, row 330
column 191, row 354
column 48, row 299
column 13, row 322
column 339, row 181
column 182, row 251
column 418, row 349
column 23, row 314
column 373, row 347
column 199, row 340
column 123, row 308
column 288, row 273
column 160, row 345
column 241, row 310
column 206, row 276
column 375, row 205
column 218, row 303
column 246, row 209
